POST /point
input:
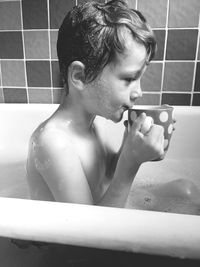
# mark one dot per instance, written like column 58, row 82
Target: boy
column 103, row 50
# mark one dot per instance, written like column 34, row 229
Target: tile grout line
column 164, row 52
column 24, row 60
column 1, row 85
column 195, row 64
column 49, row 36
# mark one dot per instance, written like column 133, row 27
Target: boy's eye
column 129, row 80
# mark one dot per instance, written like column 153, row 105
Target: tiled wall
column 28, row 62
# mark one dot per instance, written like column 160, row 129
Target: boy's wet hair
column 94, row 32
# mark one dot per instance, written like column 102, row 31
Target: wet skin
column 70, row 158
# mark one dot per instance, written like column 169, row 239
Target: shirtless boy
column 103, row 50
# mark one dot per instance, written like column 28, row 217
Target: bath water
column 167, row 186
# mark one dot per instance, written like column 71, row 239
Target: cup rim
column 152, row 107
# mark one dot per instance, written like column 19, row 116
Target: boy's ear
column 76, row 74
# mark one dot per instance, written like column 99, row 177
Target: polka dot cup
column 162, row 115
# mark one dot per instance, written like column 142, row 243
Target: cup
column 162, row 115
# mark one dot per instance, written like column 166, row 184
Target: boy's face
column 118, row 85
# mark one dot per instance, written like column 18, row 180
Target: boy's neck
column 72, row 110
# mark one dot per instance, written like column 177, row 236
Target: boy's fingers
column 137, row 124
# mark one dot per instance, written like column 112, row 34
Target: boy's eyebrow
column 134, row 73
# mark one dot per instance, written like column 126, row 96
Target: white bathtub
column 133, row 230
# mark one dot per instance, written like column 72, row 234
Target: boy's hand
column 141, row 147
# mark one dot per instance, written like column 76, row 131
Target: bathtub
column 136, row 231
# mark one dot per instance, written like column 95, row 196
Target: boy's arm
column 61, row 169
column 136, row 149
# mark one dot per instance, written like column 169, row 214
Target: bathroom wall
column 28, row 62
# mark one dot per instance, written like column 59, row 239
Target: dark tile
column 0, row 74
column 178, row 76
column 58, row 11
column 100, row 1
column 13, row 73
column 148, row 99
column 154, row 11
column 151, row 80
column 160, row 38
column 43, row 96
column 35, row 15
column 181, row 44
column 176, row 99
column 11, row 45
column 36, row 44
column 57, row 94
column 184, row 13
column 10, row 15
column 57, row 82
column 197, row 78
column 199, row 50
column 54, row 37
column 15, row 95
column 196, row 100
column 38, row 73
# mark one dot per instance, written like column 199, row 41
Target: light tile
column 151, row 80
column 148, row 99
column 184, row 13
column 57, row 94
column 54, row 37
column 40, row 96
column 36, row 44
column 1, row 95
column 13, row 73
column 154, row 11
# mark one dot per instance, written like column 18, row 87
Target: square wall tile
column 154, row 11
column 196, row 100
column 131, row 3
column 1, row 95
column 160, row 39
column 57, row 82
column 197, row 78
column 151, row 80
column 15, row 95
column 40, row 96
column 35, row 15
column 11, row 45
column 148, row 99
column 178, row 76
column 54, row 37
column 0, row 74
column 36, row 44
column 10, row 15
column 57, row 94
column 58, row 11
column 38, row 73
column 13, row 73
column 181, row 44
column 184, row 13
column 176, row 99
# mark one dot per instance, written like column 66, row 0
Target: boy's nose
column 136, row 91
